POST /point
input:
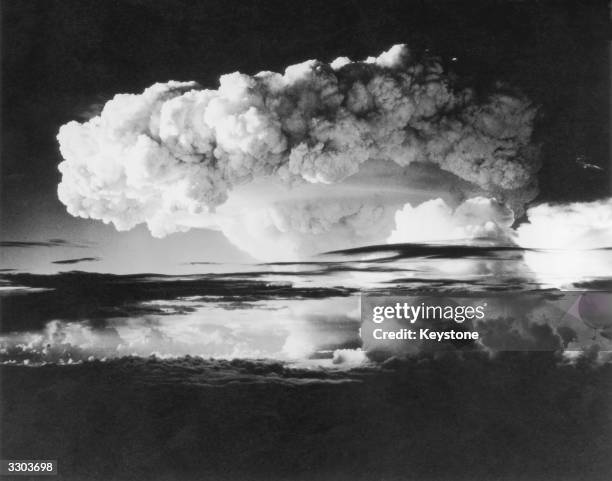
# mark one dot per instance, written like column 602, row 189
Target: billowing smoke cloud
column 435, row 220
column 179, row 156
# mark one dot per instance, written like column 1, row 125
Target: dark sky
column 61, row 57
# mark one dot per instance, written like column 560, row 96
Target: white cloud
column 568, row 241
column 175, row 156
column 436, row 221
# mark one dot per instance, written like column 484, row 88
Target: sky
column 61, row 60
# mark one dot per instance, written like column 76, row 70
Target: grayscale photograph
column 327, row 240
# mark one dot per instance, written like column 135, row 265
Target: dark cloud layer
column 407, row 251
column 524, row 416
column 76, row 261
column 80, row 295
column 48, row 243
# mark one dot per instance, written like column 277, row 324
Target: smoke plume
column 278, row 152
